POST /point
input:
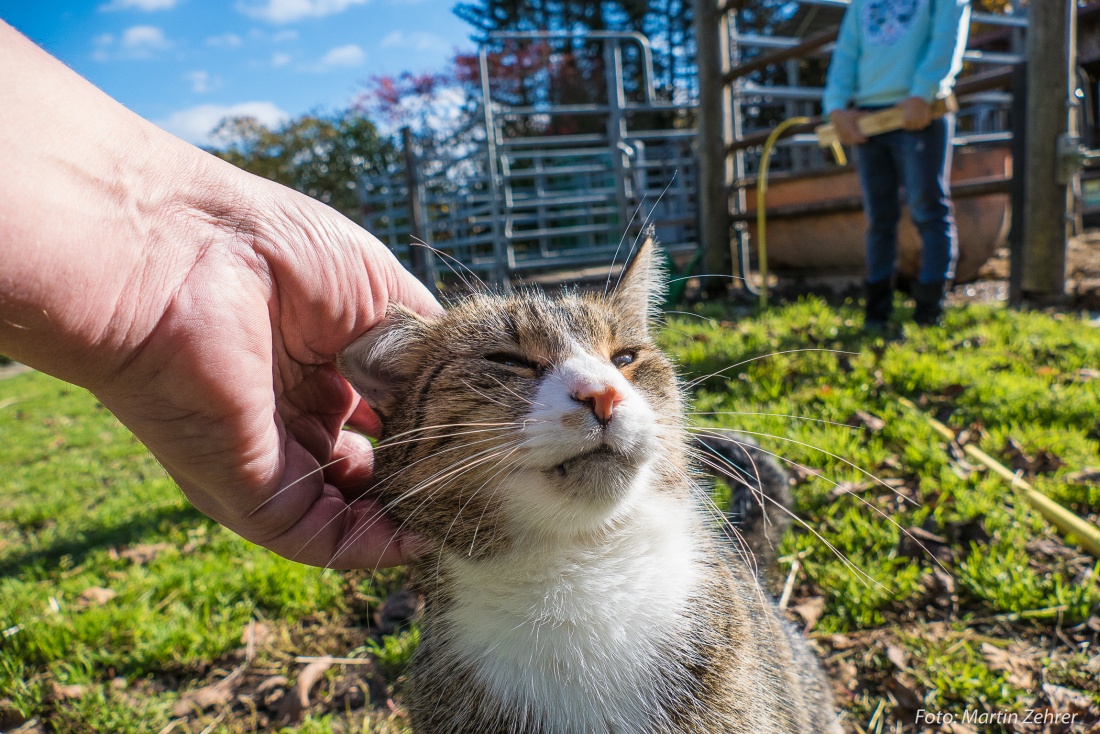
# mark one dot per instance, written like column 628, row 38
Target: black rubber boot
column 929, row 298
column 879, row 304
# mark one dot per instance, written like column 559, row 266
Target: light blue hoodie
column 892, row 49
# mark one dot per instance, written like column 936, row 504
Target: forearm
column 91, row 210
column 840, row 84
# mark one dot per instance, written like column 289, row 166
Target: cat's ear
column 641, row 287
column 380, row 364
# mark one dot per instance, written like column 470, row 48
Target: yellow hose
column 761, row 192
column 1067, row 523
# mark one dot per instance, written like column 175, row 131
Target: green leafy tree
column 322, row 156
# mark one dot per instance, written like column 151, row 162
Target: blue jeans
column 921, row 162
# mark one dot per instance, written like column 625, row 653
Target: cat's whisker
column 530, row 402
column 828, row 453
column 615, row 256
column 875, row 509
column 447, row 473
column 742, row 548
column 488, row 503
column 689, row 313
column 471, row 499
column 707, row 275
column 450, row 258
column 304, row 476
column 642, row 230
column 777, row 415
column 409, row 517
column 501, row 425
column 691, row 385
column 375, row 487
column 860, row 573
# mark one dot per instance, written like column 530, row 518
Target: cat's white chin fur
column 579, row 630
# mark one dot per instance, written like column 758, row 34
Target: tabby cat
column 576, row 583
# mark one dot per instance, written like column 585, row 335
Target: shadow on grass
column 86, row 541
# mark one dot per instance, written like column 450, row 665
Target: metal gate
column 505, row 205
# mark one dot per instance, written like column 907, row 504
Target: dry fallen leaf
column 810, row 610
column 863, row 419
column 202, row 698
column 309, row 677
column 1066, row 700
column 142, row 554
column 1019, row 661
column 853, row 488
column 897, row 656
column 296, row 701
column 10, row 718
column 1085, row 374
column 95, row 596
column 271, row 683
column 59, row 692
column 1090, row 475
column 209, row 696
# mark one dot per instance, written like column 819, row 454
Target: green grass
column 77, row 491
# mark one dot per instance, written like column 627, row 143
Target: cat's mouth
column 602, row 455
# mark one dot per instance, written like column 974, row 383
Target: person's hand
column 846, row 123
column 916, row 113
column 202, row 305
column 232, row 386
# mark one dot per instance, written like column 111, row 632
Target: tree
column 321, row 156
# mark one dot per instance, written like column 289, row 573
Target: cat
column 575, row 583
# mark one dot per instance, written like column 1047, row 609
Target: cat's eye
column 623, row 358
column 513, row 360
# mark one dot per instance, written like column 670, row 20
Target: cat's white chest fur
column 579, row 636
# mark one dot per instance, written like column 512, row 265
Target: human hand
column 916, row 113
column 203, row 306
column 233, row 387
column 846, row 123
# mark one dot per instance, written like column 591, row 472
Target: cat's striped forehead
column 547, row 328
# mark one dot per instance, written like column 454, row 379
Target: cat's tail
column 760, row 492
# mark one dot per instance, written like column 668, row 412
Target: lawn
column 122, row 609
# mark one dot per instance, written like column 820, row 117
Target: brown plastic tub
column 816, row 224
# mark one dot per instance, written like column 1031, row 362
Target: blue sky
column 185, row 64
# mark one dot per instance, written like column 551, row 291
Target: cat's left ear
column 640, row 290
column 382, row 363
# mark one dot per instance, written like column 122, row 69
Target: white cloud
column 143, row 40
column 202, row 82
column 225, row 40
column 195, row 124
column 417, row 40
column 101, row 46
column 342, row 57
column 278, row 60
column 146, row 5
column 289, row 11
column 136, row 42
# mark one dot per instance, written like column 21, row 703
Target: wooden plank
column 883, row 121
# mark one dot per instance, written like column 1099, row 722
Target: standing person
column 903, row 53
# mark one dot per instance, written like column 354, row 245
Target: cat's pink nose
column 602, row 400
